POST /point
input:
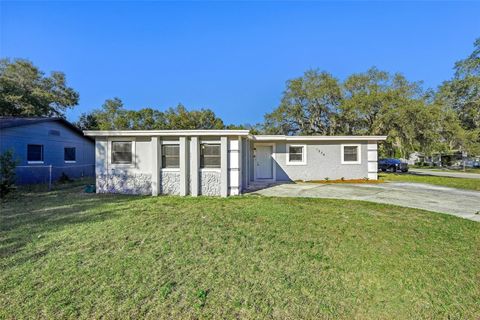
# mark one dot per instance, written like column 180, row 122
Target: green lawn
column 64, row 254
column 461, row 183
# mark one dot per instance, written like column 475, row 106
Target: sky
column 231, row 57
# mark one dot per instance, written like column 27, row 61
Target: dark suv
column 393, row 165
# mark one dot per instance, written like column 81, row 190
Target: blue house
column 46, row 148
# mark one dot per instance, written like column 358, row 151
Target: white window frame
column 70, row 161
column 304, row 155
column 169, row 142
column 359, row 153
column 217, row 142
column 110, row 149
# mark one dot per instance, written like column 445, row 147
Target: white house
column 223, row 162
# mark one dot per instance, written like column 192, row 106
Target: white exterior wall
column 234, row 167
column 372, row 160
column 134, row 178
column 146, row 176
column 323, row 159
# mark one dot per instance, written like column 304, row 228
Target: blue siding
column 17, row 139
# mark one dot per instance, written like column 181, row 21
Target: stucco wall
column 323, row 160
column 142, row 157
column 245, row 155
column 110, row 176
column 234, row 166
column 210, row 183
column 170, row 182
column 133, row 178
column 125, row 183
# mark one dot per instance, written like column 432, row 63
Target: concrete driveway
column 461, row 203
column 452, row 174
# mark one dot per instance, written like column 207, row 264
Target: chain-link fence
column 49, row 174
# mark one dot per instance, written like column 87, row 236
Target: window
column 209, row 155
column 69, row 155
column 35, row 153
column 170, row 156
column 121, row 152
column 351, row 154
column 296, row 154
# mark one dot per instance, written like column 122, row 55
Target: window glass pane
column 122, row 146
column 350, row 153
column 210, row 156
column 210, row 162
column 170, row 156
column 171, row 150
column 211, row 149
column 69, row 154
column 35, row 152
column 170, row 162
column 295, row 153
column 295, row 157
column 296, row 150
column 121, row 152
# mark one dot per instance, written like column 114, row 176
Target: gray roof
column 11, row 122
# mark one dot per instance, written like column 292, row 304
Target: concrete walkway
column 452, row 174
column 457, row 202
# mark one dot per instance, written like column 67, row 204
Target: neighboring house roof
column 246, row 133
column 11, row 122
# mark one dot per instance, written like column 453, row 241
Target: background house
column 46, row 146
column 453, row 159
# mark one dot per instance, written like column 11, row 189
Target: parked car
column 393, row 165
column 472, row 163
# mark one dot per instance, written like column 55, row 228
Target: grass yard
column 461, row 183
column 64, row 254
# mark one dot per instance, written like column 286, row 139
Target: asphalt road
column 457, row 202
column 452, row 174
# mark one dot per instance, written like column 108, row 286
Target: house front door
column 263, row 163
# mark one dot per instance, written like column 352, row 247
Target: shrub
column 7, row 173
column 64, row 178
column 327, row 178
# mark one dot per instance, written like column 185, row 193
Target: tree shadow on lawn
column 27, row 216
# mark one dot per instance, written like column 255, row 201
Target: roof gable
column 11, row 122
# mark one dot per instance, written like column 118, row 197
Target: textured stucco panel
column 124, row 183
column 210, row 183
column 170, row 183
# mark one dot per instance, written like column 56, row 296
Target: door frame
column 274, row 167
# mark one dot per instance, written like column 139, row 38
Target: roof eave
column 317, row 138
column 174, row 133
column 244, row 133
